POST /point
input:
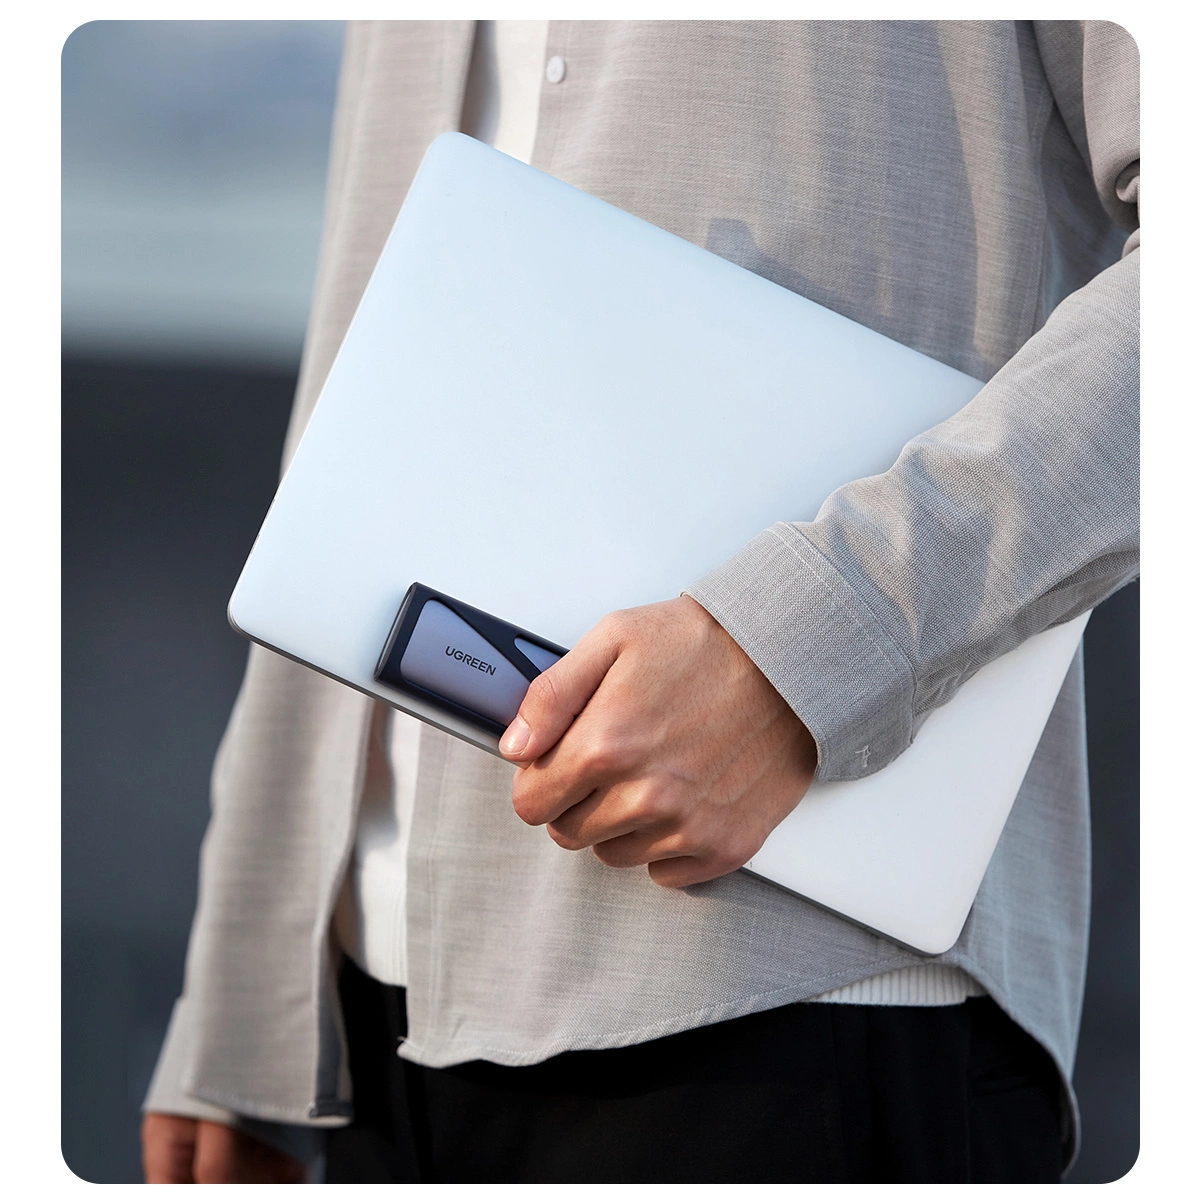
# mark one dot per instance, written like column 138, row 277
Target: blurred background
column 194, row 158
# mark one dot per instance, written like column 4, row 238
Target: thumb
column 556, row 697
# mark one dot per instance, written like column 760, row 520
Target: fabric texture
column 798, row 1094
column 928, row 985
column 500, row 104
column 969, row 189
column 369, row 920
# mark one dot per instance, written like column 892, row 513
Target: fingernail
column 516, row 737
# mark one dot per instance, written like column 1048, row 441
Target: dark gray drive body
column 462, row 659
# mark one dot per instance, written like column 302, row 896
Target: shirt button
column 555, row 70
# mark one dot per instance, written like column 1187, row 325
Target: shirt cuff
column 166, row 1095
column 820, row 647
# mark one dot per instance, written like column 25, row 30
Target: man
column 965, row 188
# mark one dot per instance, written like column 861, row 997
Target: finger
column 558, row 695
column 611, row 812
column 593, row 754
column 168, row 1148
column 266, row 1164
column 227, row 1155
column 600, row 817
column 677, row 872
column 217, row 1157
column 642, row 847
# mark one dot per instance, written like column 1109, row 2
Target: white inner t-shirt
column 504, row 85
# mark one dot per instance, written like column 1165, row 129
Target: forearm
column 1016, row 514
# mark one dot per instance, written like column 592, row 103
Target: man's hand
column 184, row 1150
column 658, row 741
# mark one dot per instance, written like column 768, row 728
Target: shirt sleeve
column 1018, row 513
column 167, row 1094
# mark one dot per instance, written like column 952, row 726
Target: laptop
column 546, row 409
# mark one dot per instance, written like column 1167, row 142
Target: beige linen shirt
column 966, row 188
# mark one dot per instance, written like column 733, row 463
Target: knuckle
column 605, row 854
column 734, row 854
column 650, row 804
column 614, row 621
column 724, row 864
column 612, row 856
column 667, row 873
column 527, row 808
column 543, row 692
column 606, row 756
column 686, row 842
column 639, row 810
column 618, row 626
column 566, row 840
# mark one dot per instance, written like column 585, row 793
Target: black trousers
column 806, row 1093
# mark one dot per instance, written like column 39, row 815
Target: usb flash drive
column 461, row 659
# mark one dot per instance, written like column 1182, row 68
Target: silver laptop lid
column 550, row 409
